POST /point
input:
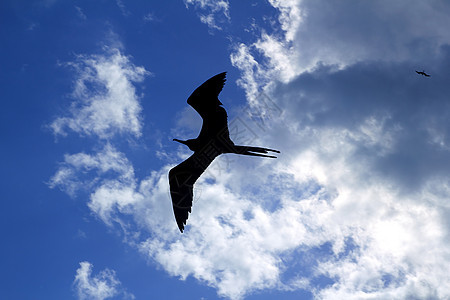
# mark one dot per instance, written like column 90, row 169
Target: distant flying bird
column 213, row 140
column 423, row 73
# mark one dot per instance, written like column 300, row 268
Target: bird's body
column 423, row 73
column 213, row 140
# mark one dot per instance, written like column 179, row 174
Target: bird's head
column 189, row 143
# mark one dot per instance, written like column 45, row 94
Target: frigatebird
column 213, row 140
column 423, row 73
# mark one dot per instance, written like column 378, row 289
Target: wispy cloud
column 105, row 100
column 102, row 286
column 123, row 8
column 150, row 17
column 104, row 164
column 215, row 11
column 80, row 13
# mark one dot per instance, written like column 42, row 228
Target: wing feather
column 205, row 97
column 182, row 179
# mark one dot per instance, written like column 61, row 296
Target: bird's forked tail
column 248, row 150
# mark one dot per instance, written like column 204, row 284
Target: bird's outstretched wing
column 423, row 73
column 205, row 97
column 206, row 102
column 182, row 179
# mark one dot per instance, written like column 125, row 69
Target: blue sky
column 355, row 207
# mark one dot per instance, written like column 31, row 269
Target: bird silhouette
column 423, row 73
column 213, row 140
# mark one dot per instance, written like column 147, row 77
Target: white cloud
column 107, row 162
column 113, row 196
column 290, row 18
column 104, row 285
column 341, row 34
column 215, row 10
column 105, row 98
